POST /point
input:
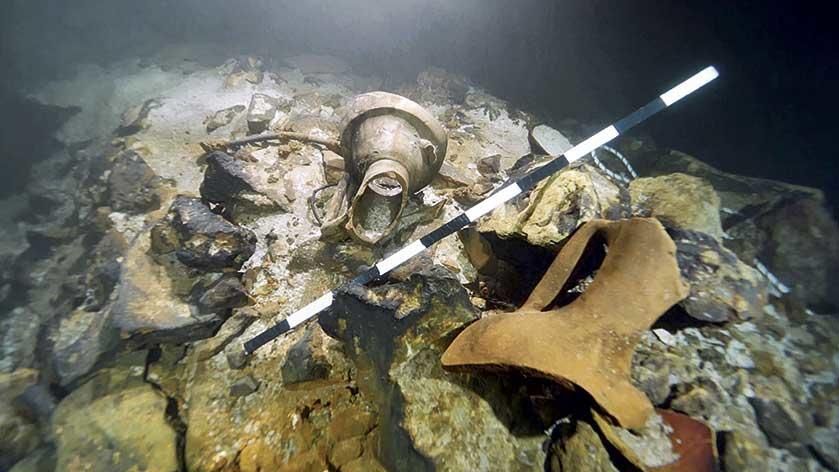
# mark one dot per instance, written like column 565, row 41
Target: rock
column 646, row 448
column 240, row 188
column 781, row 425
column 580, row 448
column 236, row 356
column 19, row 434
column 400, row 330
column 333, row 167
column 721, row 286
column 680, row 201
column 639, row 267
column 546, row 140
column 232, row 328
column 136, row 119
column 345, row 452
column 824, row 445
column 261, row 111
column 490, row 166
column 18, row 339
column 744, row 453
column 304, row 362
column 114, row 422
column 451, row 176
column 557, row 207
column 201, row 239
column 798, row 241
column 222, row 117
column 132, row 184
column 244, row 386
column 149, row 308
column 226, row 293
column 38, row 460
column 439, row 86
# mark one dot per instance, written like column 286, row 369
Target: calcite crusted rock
column 721, row 286
column 114, row 422
column 399, row 331
column 201, row 239
column 678, row 200
column 589, row 342
column 240, row 188
column 558, row 206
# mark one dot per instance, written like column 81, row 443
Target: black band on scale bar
column 498, row 198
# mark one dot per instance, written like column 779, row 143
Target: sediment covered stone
column 721, row 286
column 114, row 422
column 132, row 184
column 225, row 293
column 678, row 200
column 222, row 117
column 579, row 448
column 241, row 188
column 201, row 239
column 546, row 140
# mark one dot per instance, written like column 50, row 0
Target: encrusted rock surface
column 678, row 200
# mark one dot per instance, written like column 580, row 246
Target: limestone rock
column 244, row 386
column 114, row 422
column 19, row 434
column 18, row 338
column 721, row 286
column 261, row 112
column 400, row 330
column 558, row 206
column 781, row 425
column 132, row 184
column 201, row 239
column 580, row 448
column 222, row 118
column 639, row 268
column 680, row 201
column 241, row 189
column 546, row 140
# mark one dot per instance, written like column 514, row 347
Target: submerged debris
column 590, row 341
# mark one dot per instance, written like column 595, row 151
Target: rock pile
column 135, row 266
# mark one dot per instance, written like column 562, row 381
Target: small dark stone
column 303, row 364
column 224, row 178
column 244, row 386
column 228, row 292
column 132, row 184
column 236, row 356
column 490, row 165
column 205, row 240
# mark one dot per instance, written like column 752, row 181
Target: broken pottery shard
column 132, row 184
column 721, row 286
column 201, row 239
column 241, row 188
column 262, row 110
column 678, row 200
column 222, row 117
column 693, row 441
column 590, row 341
column 546, row 140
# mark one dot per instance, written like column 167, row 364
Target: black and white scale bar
column 492, row 202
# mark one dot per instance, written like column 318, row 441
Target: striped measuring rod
column 498, row 198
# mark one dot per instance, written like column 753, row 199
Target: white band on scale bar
column 494, row 201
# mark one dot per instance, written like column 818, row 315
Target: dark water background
column 770, row 115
